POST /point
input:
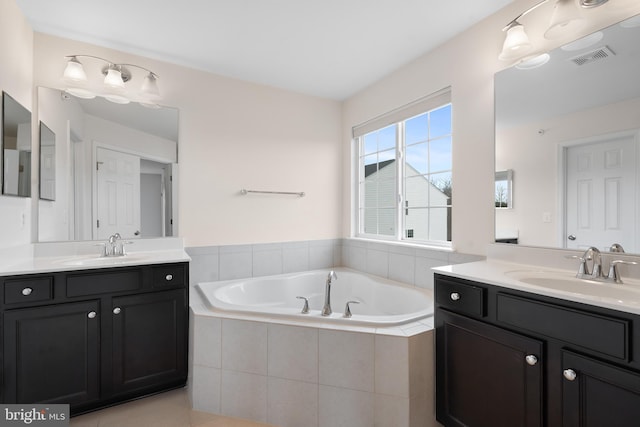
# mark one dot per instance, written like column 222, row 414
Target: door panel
column 52, row 354
column 601, row 194
column 481, row 368
column 149, row 345
column 600, row 395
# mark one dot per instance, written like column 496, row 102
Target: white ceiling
column 327, row 48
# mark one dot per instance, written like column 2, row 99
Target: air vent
column 595, row 55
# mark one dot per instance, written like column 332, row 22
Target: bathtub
column 381, row 302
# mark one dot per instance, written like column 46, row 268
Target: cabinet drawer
column 28, row 290
column 461, row 297
column 117, row 280
column 601, row 334
column 169, row 275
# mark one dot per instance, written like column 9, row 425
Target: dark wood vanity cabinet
column 511, row 358
column 52, row 354
column 149, row 340
column 93, row 338
column 484, row 367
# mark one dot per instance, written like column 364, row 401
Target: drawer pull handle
column 569, row 374
column 117, row 310
column 27, row 291
column 169, row 277
column 455, row 296
column 91, row 315
column 531, row 359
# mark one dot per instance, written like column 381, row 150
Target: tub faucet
column 326, row 310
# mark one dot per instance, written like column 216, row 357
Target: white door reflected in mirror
column 118, row 194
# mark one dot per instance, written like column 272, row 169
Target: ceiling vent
column 593, row 56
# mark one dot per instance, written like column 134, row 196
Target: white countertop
column 70, row 256
column 505, row 274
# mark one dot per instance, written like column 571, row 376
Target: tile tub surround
column 293, row 376
column 405, row 263
column 280, row 373
column 213, row 263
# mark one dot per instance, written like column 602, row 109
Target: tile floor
column 168, row 409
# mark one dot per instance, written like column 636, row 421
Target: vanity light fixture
column 565, row 18
column 114, row 87
column 517, row 44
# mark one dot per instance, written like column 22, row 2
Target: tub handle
column 347, row 309
column 305, row 308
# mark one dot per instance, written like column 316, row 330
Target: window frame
column 401, row 116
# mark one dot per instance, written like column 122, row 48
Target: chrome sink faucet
column 594, row 253
column 114, row 249
column 616, row 247
column 326, row 309
column 114, row 246
column 591, row 254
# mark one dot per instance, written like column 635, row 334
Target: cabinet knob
column 169, row 277
column 27, row 291
column 531, row 359
column 91, row 315
column 455, row 296
column 569, row 374
column 117, row 310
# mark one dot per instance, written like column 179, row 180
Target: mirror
column 570, row 130
column 504, row 189
column 115, row 169
column 47, row 163
column 16, row 148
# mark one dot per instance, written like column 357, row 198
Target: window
column 404, row 185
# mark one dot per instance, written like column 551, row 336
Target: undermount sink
column 93, row 260
column 567, row 282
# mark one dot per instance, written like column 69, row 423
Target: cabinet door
column 598, row 394
column 51, row 354
column 149, row 340
column 486, row 376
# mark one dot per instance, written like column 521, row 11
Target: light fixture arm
column 514, row 21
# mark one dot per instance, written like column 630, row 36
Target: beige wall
column 467, row 63
column 236, row 135
column 16, row 69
